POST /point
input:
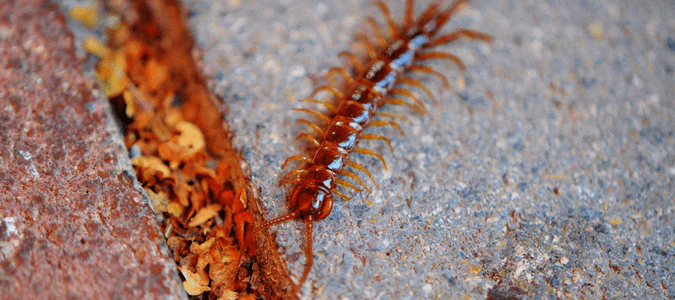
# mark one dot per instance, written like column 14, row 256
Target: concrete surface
column 73, row 221
column 547, row 173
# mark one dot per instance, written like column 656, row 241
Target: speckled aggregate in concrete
column 547, row 171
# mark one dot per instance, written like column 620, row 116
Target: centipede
column 381, row 77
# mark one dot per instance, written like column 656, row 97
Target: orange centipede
column 367, row 87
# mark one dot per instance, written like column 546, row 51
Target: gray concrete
column 559, row 185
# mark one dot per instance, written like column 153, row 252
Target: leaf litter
column 206, row 223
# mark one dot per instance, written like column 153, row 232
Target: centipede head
column 312, row 200
column 308, row 202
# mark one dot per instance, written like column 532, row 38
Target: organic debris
column 204, row 219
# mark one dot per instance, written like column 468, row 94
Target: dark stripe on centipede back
column 389, row 59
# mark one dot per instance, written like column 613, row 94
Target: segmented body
column 374, row 85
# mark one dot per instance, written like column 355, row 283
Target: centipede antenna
column 284, row 218
column 308, row 254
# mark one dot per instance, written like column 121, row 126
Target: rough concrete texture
column 546, row 172
column 73, row 225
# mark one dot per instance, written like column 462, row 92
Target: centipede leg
column 301, row 158
column 342, row 72
column 326, row 88
column 441, row 55
column 319, row 115
column 407, row 93
column 312, row 125
column 416, row 83
column 394, row 101
column 364, row 170
column 429, row 12
column 370, row 136
column 370, row 49
column 290, row 174
column 348, row 184
column 445, row 16
column 309, row 138
column 409, row 13
column 353, row 60
column 380, row 38
column 457, row 34
column 328, row 105
column 430, row 71
column 379, row 123
column 351, row 175
column 393, row 116
column 341, row 194
column 387, row 16
column 371, row 153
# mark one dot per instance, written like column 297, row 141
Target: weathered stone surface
column 72, row 223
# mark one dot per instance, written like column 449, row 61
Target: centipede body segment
column 381, row 79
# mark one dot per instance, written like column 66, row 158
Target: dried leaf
column 155, row 73
column 190, row 136
column 152, row 164
column 87, row 15
column 202, row 248
column 178, row 246
column 175, row 209
column 111, row 77
column 194, row 284
column 158, row 201
column 240, row 220
column 182, row 190
column 205, row 214
column 130, row 111
column 228, row 295
column 247, row 297
column 94, row 46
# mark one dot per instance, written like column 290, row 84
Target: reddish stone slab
column 72, row 223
